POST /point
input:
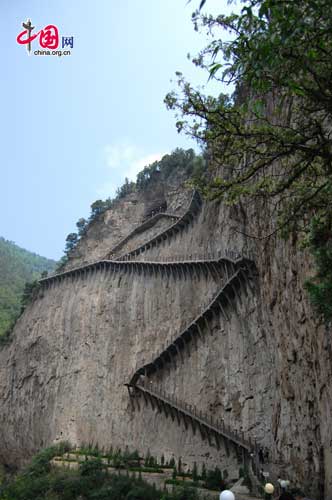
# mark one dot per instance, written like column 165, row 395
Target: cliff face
column 265, row 371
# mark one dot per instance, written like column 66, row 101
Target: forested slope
column 17, row 266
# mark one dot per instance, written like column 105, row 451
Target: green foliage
column 179, row 160
column 155, row 468
column 174, row 473
column 40, row 481
column 93, row 467
column 29, row 293
column 214, row 480
column 97, row 208
column 185, row 493
column 247, row 481
column 40, row 464
column 146, row 469
column 89, row 449
column 195, row 473
column 150, row 461
column 126, row 188
column 17, row 267
column 81, row 225
column 71, row 242
column 320, row 244
column 270, row 142
column 203, row 474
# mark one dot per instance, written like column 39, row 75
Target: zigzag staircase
column 146, row 224
column 174, row 229
column 208, row 426
column 179, row 347
column 239, row 273
column 198, row 328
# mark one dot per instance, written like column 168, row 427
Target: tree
column 126, row 188
column 71, row 242
column 195, row 473
column 214, row 479
column 271, row 140
column 203, row 475
column 174, row 474
column 81, row 225
column 97, row 208
column 29, row 293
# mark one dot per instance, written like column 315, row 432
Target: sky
column 73, row 127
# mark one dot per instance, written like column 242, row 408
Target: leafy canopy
column 271, row 140
column 273, row 136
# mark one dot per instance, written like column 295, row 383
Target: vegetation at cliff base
column 17, row 268
column 92, row 481
column 270, row 141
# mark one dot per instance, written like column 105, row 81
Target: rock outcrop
column 263, row 366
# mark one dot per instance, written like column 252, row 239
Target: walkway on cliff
column 200, row 326
column 236, row 274
column 141, row 386
column 179, row 225
column 216, row 266
column 181, row 411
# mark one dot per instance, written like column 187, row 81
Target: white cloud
column 123, row 161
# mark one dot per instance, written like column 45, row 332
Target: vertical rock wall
column 266, row 372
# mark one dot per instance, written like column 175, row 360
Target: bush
column 146, row 469
column 247, row 481
column 185, row 493
column 143, row 492
column 41, row 462
column 69, row 487
column 93, row 467
column 214, row 480
column 120, row 487
column 203, row 475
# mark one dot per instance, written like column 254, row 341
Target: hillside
column 17, row 266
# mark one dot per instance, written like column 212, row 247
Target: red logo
column 48, row 37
